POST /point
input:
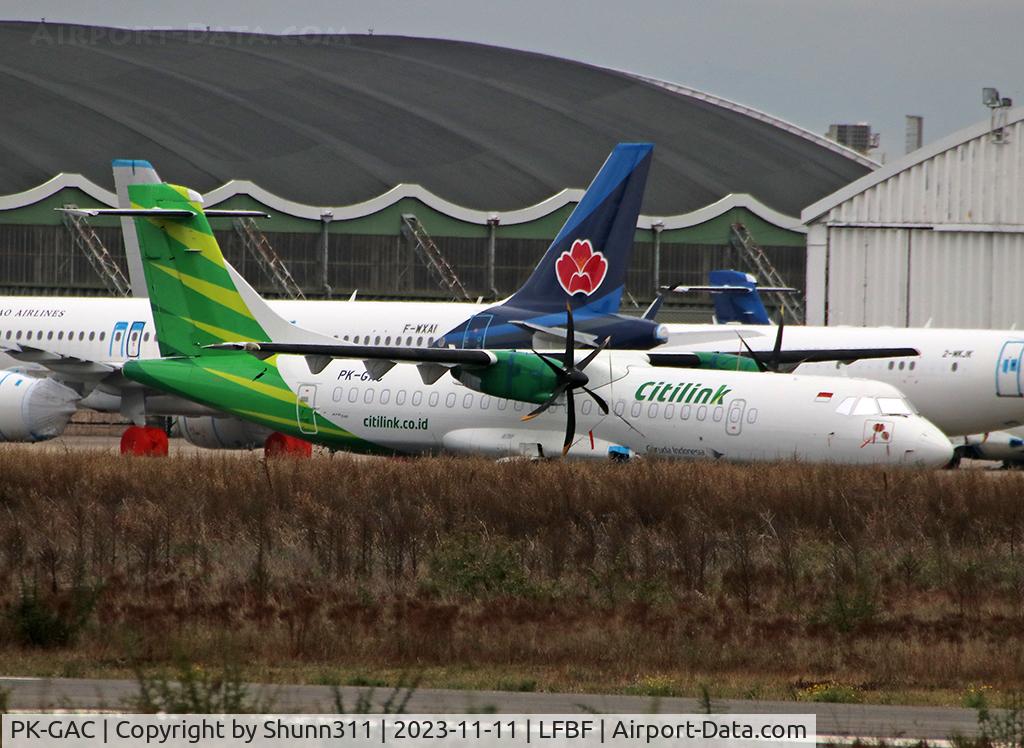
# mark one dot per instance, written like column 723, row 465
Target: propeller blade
column 570, row 337
column 598, row 399
column 570, row 422
column 551, row 401
column 554, row 367
column 760, row 364
column 774, row 366
column 593, row 354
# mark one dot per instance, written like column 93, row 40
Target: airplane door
column 117, row 338
column 134, row 344
column 734, row 418
column 1008, row 369
column 304, row 402
column 476, row 331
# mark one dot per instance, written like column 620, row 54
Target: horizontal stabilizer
column 729, row 289
column 558, row 333
column 162, row 213
column 444, row 356
column 689, row 360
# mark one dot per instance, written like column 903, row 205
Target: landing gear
column 144, row 441
column 282, row 445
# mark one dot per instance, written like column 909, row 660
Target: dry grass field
column 657, row 578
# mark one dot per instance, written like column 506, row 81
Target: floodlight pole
column 492, row 240
column 657, row 227
column 326, row 216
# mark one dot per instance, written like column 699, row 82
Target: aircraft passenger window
column 353, row 394
column 145, row 337
column 717, row 413
column 385, row 396
column 103, row 336
column 376, row 340
column 49, row 335
column 408, row 340
column 953, row 367
column 902, row 364
column 838, row 364
column 337, row 394
column 866, row 406
column 28, row 335
column 430, row 341
column 670, row 410
column 366, row 340
column 417, row 398
column 419, row 340
column 368, row 397
column 467, row 401
column 8, row 334
column 502, row 403
column 702, row 412
column 619, row 408
column 387, row 340
column 652, row 410
column 400, row 397
column 635, row 411
column 117, row 336
column 846, row 406
column 449, row 401
column 684, row 412
column 913, row 364
column 586, row 407
column 18, row 336
column 752, row 415
column 518, row 404
column 892, row 365
column 894, row 406
column 81, row 336
column 40, row 335
column 434, row 397
column 485, row 402
column 60, row 335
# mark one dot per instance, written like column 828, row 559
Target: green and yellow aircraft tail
column 199, row 300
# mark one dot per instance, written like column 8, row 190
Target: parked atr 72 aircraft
column 83, row 342
column 472, row 400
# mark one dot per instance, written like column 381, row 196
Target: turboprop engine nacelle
column 515, row 376
column 221, row 432
column 33, row 410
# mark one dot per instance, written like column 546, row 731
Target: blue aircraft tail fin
column 737, row 300
column 586, row 263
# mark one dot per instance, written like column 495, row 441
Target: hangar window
column 717, row 413
column 702, row 412
column 353, row 394
column 449, row 400
column 684, row 412
column 368, row 397
column 417, row 398
column 752, row 415
column 385, row 396
column 635, row 411
column 433, row 399
column 670, row 410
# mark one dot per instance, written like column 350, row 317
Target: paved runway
column 931, row 723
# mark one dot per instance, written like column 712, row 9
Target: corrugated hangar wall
column 935, row 237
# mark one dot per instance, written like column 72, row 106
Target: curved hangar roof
column 336, row 120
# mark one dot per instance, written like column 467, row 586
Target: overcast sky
column 811, row 62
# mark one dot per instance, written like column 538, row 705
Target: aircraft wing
column 791, row 357
column 68, row 367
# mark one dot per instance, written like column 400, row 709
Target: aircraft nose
column 932, row 447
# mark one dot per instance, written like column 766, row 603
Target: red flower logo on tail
column 581, row 269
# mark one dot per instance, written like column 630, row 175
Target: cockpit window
column 894, row 406
column 846, row 406
column 866, row 406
